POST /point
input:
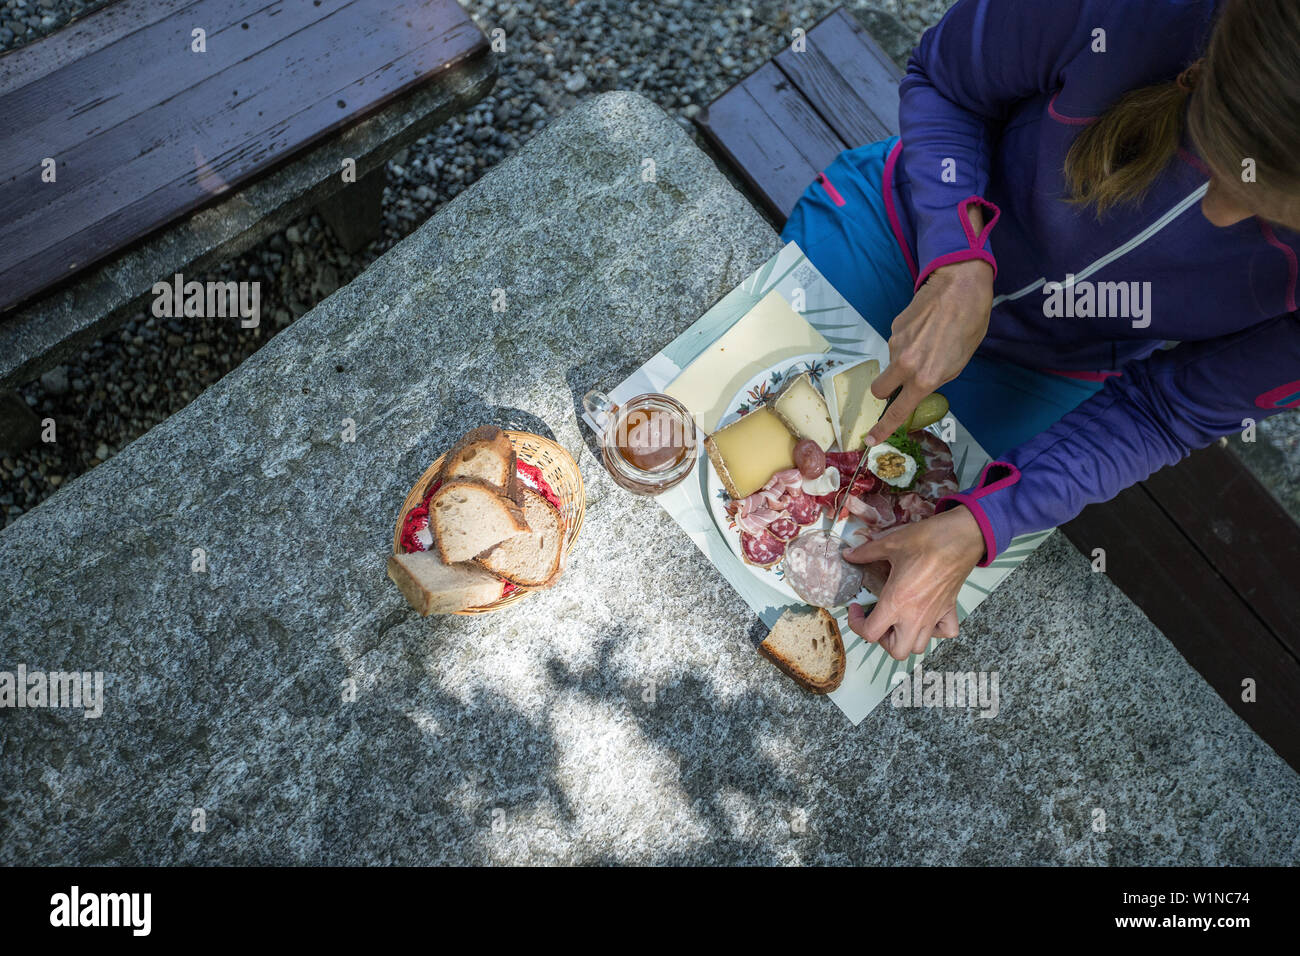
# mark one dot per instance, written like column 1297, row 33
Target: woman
column 1077, row 183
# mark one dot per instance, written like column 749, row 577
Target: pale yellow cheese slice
column 804, row 411
column 767, row 334
column 858, row 408
column 748, row 452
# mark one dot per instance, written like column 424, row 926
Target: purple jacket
column 994, row 96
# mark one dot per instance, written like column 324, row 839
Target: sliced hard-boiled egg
column 825, row 483
column 891, row 466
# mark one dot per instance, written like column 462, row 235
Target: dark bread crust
column 797, row 674
column 720, row 467
column 499, row 442
column 515, row 512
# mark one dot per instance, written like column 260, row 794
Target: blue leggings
column 852, row 244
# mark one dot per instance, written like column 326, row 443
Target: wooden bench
column 170, row 150
column 1202, row 548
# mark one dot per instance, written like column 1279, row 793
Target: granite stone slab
column 623, row 716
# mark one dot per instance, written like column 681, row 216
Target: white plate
column 756, row 391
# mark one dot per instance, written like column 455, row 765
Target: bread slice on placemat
column 530, row 560
column 806, row 644
column 433, row 587
column 486, row 454
column 468, row 516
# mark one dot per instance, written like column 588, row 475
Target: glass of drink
column 648, row 443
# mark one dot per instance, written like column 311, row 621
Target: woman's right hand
column 928, row 562
column 933, row 339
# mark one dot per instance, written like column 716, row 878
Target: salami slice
column 763, row 549
column 803, row 508
column 784, row 528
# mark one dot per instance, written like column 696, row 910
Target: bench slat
column 123, row 173
column 80, row 38
column 1241, row 529
column 764, row 125
column 74, row 108
column 847, row 78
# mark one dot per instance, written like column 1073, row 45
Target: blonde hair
column 1242, row 101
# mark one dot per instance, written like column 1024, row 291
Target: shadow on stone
column 715, row 743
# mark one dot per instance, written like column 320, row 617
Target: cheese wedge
column 858, row 409
column 804, row 411
column 767, row 334
column 748, row 452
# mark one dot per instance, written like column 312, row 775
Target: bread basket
column 561, row 473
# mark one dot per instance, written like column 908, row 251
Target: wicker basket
column 561, row 473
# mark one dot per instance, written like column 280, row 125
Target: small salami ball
column 809, row 458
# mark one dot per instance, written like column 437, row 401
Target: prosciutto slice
column 875, row 510
column 912, row 507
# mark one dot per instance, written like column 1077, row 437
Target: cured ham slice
column 754, row 523
column 845, row 462
column 912, row 507
column 937, row 452
column 939, row 478
column 865, row 483
column 875, row 510
column 934, row 488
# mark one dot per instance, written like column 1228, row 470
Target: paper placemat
column 797, row 312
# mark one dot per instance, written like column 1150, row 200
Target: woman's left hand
column 928, row 561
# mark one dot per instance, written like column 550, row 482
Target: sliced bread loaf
column 530, row 560
column 806, row 644
column 433, row 587
column 468, row 516
column 485, row 454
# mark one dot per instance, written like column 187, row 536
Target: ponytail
column 1240, row 102
column 1117, row 158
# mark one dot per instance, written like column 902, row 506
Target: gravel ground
column 680, row 53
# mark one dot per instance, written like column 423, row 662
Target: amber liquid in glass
column 652, row 446
column 651, row 439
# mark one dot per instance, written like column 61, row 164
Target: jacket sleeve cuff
column 996, row 476
column 976, row 245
